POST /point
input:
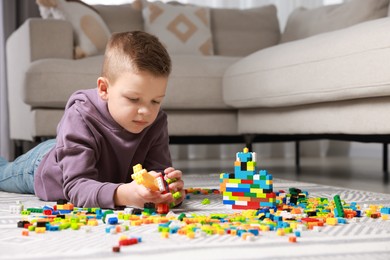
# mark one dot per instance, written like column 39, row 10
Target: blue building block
column 385, row 211
column 244, row 157
column 263, row 172
column 112, row 221
column 267, row 204
column 254, row 231
column 229, row 202
column 231, row 189
column 224, row 176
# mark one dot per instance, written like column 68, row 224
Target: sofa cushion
column 357, row 117
column 332, row 17
column 121, row 18
column 235, row 32
column 202, row 122
column 239, row 32
column 340, row 65
column 182, row 29
column 195, row 82
column 50, row 82
column 91, row 32
column 180, row 122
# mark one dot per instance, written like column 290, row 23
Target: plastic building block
column 162, row 208
column 339, row 211
column 149, row 208
column 385, row 210
column 176, row 195
column 205, row 201
column 128, row 242
column 169, row 181
column 106, row 213
column 292, row 239
column 142, row 177
column 17, row 208
column 161, row 184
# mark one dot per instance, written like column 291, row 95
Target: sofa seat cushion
column 180, row 122
column 195, row 82
column 346, row 64
column 50, row 82
column 357, row 117
column 202, row 122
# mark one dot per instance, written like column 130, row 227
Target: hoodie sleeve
column 77, row 155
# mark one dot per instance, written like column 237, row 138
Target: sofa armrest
column 42, row 38
column 35, row 39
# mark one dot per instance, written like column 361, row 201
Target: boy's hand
column 178, row 184
column 133, row 194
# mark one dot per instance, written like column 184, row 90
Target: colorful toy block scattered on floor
column 287, row 213
column 247, row 188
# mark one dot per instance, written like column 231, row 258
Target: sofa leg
column 385, row 163
column 23, row 146
column 248, row 138
column 18, row 148
column 297, row 157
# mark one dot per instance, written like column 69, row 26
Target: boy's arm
column 77, row 155
column 80, row 184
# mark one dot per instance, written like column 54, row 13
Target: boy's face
column 134, row 100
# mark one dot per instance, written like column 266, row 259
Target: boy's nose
column 143, row 110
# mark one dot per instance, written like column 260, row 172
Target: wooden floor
column 355, row 173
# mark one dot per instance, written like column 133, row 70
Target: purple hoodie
column 93, row 154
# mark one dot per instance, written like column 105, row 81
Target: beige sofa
column 325, row 76
column 42, row 73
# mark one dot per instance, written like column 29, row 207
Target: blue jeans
column 18, row 176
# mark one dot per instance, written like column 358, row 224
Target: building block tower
column 247, row 188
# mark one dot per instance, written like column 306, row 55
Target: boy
column 105, row 132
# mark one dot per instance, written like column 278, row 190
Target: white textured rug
column 367, row 239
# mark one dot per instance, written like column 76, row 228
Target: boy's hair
column 135, row 51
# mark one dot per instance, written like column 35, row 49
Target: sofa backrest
column 241, row 32
column 235, row 32
column 304, row 22
column 121, row 18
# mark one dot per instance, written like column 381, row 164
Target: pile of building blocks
column 247, row 188
column 287, row 213
column 295, row 212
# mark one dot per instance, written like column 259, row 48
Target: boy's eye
column 134, row 99
column 156, row 102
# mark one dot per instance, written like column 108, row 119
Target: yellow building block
column 251, row 166
column 331, row 221
column 137, row 168
column 142, row 177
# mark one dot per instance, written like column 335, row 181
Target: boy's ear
column 102, row 85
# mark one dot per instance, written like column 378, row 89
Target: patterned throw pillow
column 91, row 32
column 182, row 29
